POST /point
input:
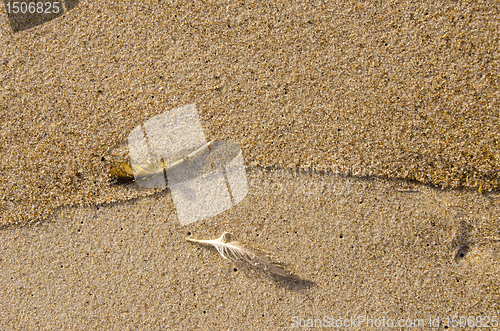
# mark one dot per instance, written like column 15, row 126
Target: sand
column 394, row 91
column 397, row 100
column 367, row 247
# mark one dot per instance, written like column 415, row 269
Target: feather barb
column 237, row 252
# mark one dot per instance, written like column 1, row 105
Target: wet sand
column 370, row 134
column 366, row 247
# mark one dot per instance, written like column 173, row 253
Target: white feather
column 237, row 252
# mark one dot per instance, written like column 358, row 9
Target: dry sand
column 396, row 90
column 371, row 91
